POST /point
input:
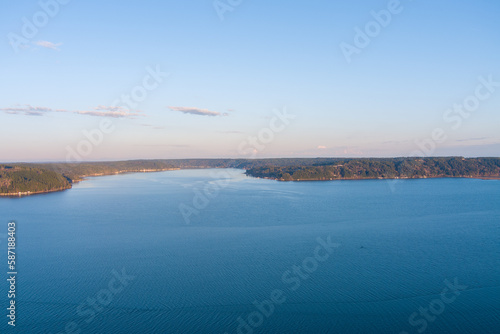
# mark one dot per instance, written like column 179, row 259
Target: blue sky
column 226, row 77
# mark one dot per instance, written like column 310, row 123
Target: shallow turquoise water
column 397, row 244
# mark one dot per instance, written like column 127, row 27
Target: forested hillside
column 20, row 179
column 383, row 168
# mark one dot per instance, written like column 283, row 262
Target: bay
column 204, row 251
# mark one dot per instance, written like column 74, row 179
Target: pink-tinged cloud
column 109, row 111
column 321, row 147
column 110, row 108
column 113, row 114
column 48, row 45
column 197, row 111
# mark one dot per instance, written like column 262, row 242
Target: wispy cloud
column 114, row 114
column 110, row 108
column 48, row 45
column 321, row 147
column 472, row 139
column 99, row 111
column 108, row 111
column 153, row 126
column 27, row 110
column 197, row 111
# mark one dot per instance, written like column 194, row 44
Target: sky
column 116, row 80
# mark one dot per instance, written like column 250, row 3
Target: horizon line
column 266, row 158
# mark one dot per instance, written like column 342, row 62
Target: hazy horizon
column 239, row 158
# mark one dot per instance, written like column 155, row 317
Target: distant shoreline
column 29, row 193
column 381, row 178
column 488, row 178
column 26, row 179
column 84, row 178
column 382, row 169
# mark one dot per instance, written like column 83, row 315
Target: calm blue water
column 397, row 244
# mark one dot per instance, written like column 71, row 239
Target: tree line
column 382, row 168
